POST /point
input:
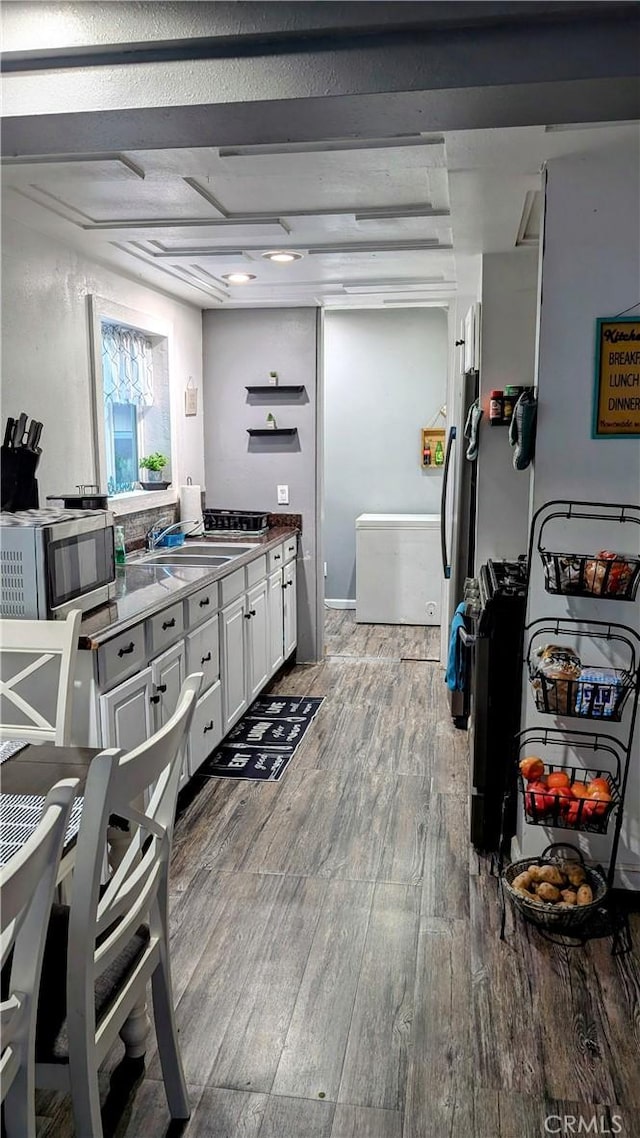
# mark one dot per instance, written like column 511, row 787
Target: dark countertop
column 145, row 588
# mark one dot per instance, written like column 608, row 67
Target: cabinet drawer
column 256, row 570
column 164, row 628
column 120, row 655
column 290, row 548
column 203, row 653
column 202, row 604
column 206, row 728
column 232, row 586
column 275, row 558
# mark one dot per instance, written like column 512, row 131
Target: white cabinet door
column 276, row 627
column 257, row 639
column 167, row 673
column 203, row 652
column 126, row 712
column 206, row 728
column 232, row 628
column 289, row 593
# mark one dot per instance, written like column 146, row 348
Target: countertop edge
column 94, row 641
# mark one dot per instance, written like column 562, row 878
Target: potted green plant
column 154, row 464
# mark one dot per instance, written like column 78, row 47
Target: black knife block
column 18, row 485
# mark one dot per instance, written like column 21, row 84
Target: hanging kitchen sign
column 616, row 400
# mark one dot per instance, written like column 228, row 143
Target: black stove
column 503, row 578
column 496, row 695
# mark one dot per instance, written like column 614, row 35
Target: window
column 135, row 397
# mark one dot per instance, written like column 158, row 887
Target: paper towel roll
column 191, row 506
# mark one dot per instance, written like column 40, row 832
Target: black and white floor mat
column 265, row 740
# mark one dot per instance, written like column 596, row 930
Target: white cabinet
column 237, row 649
column 167, row 673
column 276, row 625
column 206, row 729
column 233, row 639
column 257, row 640
column 290, row 618
column 126, row 713
column 203, row 652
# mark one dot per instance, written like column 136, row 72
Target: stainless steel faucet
column 155, row 535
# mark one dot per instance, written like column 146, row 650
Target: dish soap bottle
column 120, row 551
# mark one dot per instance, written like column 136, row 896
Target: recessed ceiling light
column 238, row 278
column 282, row 256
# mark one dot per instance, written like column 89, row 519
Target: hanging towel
column 455, row 677
column 471, row 426
column 522, row 430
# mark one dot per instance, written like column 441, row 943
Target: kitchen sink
column 224, row 548
column 182, row 556
column 214, row 553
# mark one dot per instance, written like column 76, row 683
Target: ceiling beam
column 523, row 74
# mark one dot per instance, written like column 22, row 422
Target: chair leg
column 19, row 1106
column 167, row 1037
column 85, row 1100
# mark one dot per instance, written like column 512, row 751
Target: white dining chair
column 52, row 645
column 27, row 883
column 114, row 937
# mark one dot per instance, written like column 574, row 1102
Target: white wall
column 509, row 303
column 590, row 268
column 385, row 377
column 241, row 347
column 46, row 352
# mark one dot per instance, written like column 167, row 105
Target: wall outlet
column 432, row 608
column 283, row 495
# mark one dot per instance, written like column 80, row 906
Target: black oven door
column 78, row 563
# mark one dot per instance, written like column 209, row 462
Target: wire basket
column 583, row 575
column 588, row 815
column 584, row 698
column 554, row 917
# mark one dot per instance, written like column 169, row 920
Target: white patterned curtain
column 126, row 366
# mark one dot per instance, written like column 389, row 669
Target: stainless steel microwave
column 52, row 561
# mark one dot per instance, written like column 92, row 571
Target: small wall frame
column 432, row 448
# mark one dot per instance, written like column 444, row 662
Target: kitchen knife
column 20, row 428
column 31, row 442
column 8, row 432
column 38, row 432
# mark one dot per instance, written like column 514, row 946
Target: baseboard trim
column 336, row 603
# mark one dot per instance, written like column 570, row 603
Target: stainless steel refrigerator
column 458, row 523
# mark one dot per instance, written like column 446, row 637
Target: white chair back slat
column 27, row 884
column 49, row 641
column 116, row 785
column 132, row 892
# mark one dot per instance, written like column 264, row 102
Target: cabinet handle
column 205, row 659
column 247, row 616
column 168, row 624
column 252, row 612
column 161, row 687
column 154, row 699
column 208, row 727
column 204, row 601
column 126, row 651
column 276, row 557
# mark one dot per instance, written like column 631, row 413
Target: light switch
column 283, row 495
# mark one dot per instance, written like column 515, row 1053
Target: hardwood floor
column 337, row 966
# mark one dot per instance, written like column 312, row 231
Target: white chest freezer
column 398, row 569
